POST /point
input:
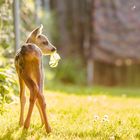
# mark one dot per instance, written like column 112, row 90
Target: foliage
column 27, row 24
column 6, row 24
column 93, row 90
column 8, row 86
column 80, row 117
column 44, row 16
column 71, row 71
column 50, row 27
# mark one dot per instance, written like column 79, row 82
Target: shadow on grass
column 9, row 133
column 94, row 90
column 18, row 133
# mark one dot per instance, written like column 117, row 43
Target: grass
column 77, row 113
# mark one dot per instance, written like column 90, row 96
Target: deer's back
column 27, row 56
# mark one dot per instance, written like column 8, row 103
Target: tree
column 16, row 23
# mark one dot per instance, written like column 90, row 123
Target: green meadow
column 79, row 113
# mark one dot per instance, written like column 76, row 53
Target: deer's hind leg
column 22, row 100
column 33, row 96
column 40, row 112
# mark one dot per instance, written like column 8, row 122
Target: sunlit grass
column 73, row 116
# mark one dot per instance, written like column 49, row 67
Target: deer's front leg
column 42, row 104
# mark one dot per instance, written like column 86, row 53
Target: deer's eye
column 45, row 43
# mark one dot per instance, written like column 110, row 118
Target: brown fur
column 28, row 63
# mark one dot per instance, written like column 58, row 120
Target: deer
column 29, row 68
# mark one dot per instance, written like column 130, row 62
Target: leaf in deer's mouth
column 54, row 59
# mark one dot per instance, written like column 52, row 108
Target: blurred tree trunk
column 37, row 10
column 62, row 23
column 16, row 23
column 45, row 4
column 89, row 41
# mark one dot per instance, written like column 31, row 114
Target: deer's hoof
column 26, row 125
column 48, row 129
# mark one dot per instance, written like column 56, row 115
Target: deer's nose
column 53, row 49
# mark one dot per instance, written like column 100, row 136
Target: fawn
column 28, row 63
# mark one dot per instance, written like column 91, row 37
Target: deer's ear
column 37, row 31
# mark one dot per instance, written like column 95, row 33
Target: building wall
column 112, row 75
